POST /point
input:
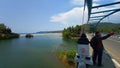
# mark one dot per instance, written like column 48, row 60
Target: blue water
column 36, row 52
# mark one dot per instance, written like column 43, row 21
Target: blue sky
column 25, row 16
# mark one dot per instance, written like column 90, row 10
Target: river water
column 36, row 52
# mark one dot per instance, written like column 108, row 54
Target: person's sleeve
column 107, row 36
column 92, row 43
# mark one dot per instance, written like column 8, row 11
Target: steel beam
column 106, row 5
column 105, row 11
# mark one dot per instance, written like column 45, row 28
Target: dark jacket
column 83, row 39
column 96, row 42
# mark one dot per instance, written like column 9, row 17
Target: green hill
column 105, row 27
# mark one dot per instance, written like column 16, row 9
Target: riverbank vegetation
column 71, row 32
column 67, row 57
column 6, row 33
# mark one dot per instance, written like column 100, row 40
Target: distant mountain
column 59, row 31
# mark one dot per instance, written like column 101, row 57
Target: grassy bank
column 67, row 58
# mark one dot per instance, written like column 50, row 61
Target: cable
column 82, row 27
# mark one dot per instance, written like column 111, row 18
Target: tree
column 8, row 31
column 71, row 31
column 5, row 30
column 66, row 33
column 2, row 28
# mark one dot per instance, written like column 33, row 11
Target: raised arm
column 108, row 35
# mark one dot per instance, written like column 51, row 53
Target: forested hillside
column 105, row 27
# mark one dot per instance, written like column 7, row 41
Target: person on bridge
column 97, row 45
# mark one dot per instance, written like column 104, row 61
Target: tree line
column 103, row 27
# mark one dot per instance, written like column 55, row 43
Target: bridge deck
column 106, row 61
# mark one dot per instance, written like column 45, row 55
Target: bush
column 70, row 56
column 67, row 57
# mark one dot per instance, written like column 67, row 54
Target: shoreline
column 4, row 36
column 43, row 34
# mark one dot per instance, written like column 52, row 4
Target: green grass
column 67, row 57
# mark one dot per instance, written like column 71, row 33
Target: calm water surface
column 36, row 52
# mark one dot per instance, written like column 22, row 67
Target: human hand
column 112, row 33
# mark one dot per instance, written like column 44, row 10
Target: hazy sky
column 45, row 15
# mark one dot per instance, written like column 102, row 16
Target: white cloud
column 117, row 5
column 115, row 18
column 74, row 16
column 94, row 4
column 69, row 18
